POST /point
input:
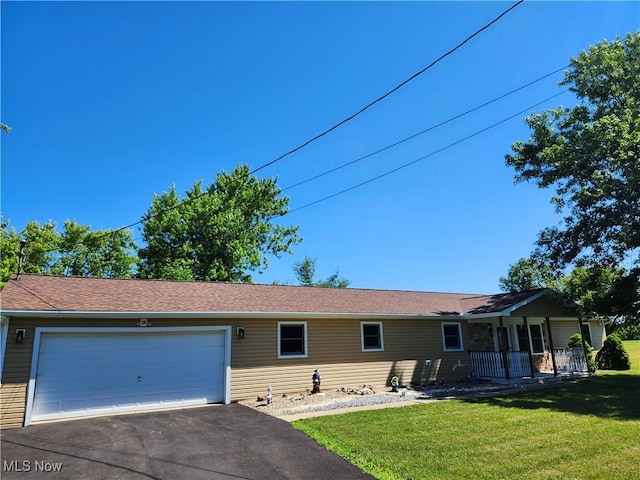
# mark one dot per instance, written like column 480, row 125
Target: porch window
column 537, row 340
column 292, row 339
column 452, row 337
column 371, row 336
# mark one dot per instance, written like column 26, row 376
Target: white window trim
column 544, row 348
column 444, row 343
column 305, row 333
column 377, row 349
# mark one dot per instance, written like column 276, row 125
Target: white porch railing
column 569, row 360
column 491, row 364
column 519, row 365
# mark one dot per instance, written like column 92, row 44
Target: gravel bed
column 304, row 403
column 356, row 401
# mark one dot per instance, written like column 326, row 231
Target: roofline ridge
column 218, row 282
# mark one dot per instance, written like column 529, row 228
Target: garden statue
column 316, row 381
column 395, row 383
column 269, row 395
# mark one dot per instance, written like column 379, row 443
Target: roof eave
column 212, row 314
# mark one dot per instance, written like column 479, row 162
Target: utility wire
column 433, row 127
column 389, row 172
column 349, row 118
column 399, row 142
column 394, row 89
column 334, row 127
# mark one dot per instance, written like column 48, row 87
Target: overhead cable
column 349, row 118
column 389, row 172
column 433, row 127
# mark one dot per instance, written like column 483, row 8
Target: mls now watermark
column 29, row 466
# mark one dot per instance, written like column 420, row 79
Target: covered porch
column 521, row 347
column 493, row 365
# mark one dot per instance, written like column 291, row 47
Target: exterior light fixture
column 240, row 332
column 20, row 334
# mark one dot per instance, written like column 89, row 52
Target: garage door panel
column 86, row 374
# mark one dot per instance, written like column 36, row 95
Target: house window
column 537, row 340
column 292, row 340
column 452, row 337
column 371, row 336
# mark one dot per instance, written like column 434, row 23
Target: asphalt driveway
column 213, row 442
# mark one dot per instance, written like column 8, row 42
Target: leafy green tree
column 590, row 154
column 76, row 251
column 528, row 274
column 221, row 232
column 599, row 290
column 9, row 250
column 305, row 271
column 103, row 253
column 594, row 287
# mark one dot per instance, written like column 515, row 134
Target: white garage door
column 84, row 373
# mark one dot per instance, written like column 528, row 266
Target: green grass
column 587, row 429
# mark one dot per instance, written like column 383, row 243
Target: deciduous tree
column 75, row 251
column 305, row 271
column 590, row 154
column 221, row 232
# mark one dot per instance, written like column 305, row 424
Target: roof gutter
column 229, row 315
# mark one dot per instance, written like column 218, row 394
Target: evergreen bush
column 613, row 355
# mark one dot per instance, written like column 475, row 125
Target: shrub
column 575, row 341
column 613, row 355
column 628, row 330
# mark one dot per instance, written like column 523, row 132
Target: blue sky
column 111, row 102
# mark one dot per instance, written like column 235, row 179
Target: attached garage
column 75, row 347
column 76, row 372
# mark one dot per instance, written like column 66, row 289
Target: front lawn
column 588, row 429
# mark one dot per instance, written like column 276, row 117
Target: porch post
column 584, row 344
column 526, row 333
column 504, row 343
column 553, row 355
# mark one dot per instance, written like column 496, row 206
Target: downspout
column 526, row 333
column 553, row 355
column 503, row 348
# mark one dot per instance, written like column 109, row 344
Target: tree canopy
column 74, row 251
column 601, row 291
column 220, row 232
column 590, row 154
column 305, row 272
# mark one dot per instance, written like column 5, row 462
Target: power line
column 334, row 127
column 394, row 89
column 389, row 172
column 433, row 127
column 342, row 122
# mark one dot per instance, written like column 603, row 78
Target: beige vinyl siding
column 17, row 362
column 543, row 307
column 562, row 331
column 334, row 347
column 13, row 400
